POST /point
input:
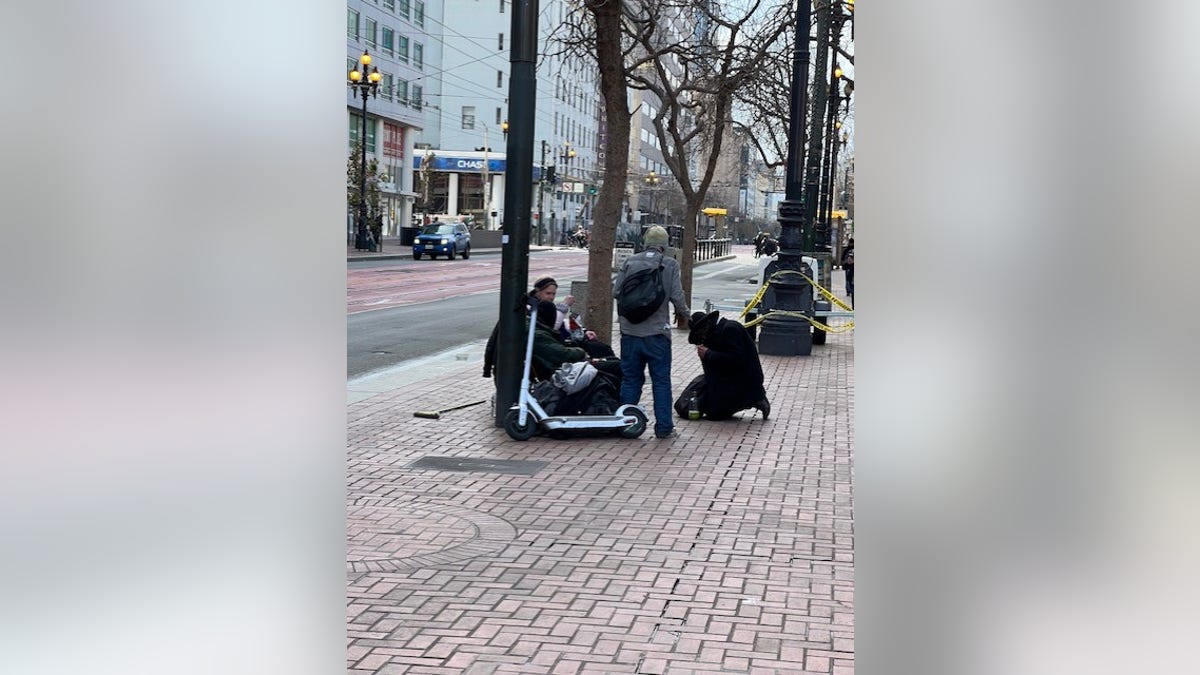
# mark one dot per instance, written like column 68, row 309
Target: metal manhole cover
column 398, row 535
column 512, row 466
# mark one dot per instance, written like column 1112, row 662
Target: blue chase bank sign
column 461, row 164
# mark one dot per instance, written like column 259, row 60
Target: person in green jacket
column 549, row 353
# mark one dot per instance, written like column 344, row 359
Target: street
column 398, row 310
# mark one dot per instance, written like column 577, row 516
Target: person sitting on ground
column 733, row 376
column 546, row 288
column 548, row 351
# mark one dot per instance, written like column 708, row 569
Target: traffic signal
column 592, row 190
column 550, row 177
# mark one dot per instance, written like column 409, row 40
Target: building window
column 371, row 26
column 420, row 13
column 393, row 142
column 499, row 78
column 418, row 55
column 402, row 48
column 352, row 23
column 468, row 117
column 416, row 96
column 502, row 4
column 356, row 128
column 389, row 39
column 497, row 116
column 402, row 91
column 387, row 86
column 500, row 41
column 402, row 10
column 351, row 64
column 389, row 4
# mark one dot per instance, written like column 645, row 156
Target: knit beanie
column 655, row 236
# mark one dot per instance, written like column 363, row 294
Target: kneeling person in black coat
column 733, row 377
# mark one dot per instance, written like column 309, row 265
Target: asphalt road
column 383, row 338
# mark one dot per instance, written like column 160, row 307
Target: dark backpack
column 642, row 293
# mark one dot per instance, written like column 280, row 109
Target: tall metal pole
column 812, row 170
column 362, row 185
column 789, row 335
column 541, row 219
column 487, row 181
column 514, row 253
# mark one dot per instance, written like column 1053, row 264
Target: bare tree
column 695, row 74
column 761, row 106
column 693, row 56
column 600, row 38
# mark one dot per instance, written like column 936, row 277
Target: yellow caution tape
column 824, row 291
column 840, row 328
column 754, row 301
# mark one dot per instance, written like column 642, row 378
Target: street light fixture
column 567, row 154
column 652, row 181
column 504, row 128
column 365, row 85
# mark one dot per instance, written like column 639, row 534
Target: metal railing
column 707, row 249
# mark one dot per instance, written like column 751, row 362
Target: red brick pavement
column 729, row 548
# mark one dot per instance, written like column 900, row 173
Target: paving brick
column 728, row 549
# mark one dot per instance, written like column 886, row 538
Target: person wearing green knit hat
column 646, row 345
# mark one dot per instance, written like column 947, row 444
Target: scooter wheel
column 637, row 428
column 516, row 430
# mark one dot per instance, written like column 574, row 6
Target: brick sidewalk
column 726, row 549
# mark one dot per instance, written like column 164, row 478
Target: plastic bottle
column 693, row 411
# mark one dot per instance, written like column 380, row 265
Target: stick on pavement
column 437, row 414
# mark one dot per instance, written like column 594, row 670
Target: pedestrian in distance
column 647, row 344
column 848, row 268
column 733, row 376
column 759, row 240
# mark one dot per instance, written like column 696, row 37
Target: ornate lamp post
column 783, row 332
column 565, row 156
column 652, row 182
column 365, row 85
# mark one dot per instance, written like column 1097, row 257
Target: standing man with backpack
column 645, row 288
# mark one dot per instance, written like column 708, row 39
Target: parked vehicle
column 448, row 239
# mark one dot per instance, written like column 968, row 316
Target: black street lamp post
column 518, row 202
column 652, row 182
column 541, row 183
column 565, row 157
column 365, row 85
column 784, row 333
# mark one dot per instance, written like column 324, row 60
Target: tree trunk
column 599, row 311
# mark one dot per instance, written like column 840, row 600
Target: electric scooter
column 526, row 417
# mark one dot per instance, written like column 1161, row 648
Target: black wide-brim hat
column 699, row 325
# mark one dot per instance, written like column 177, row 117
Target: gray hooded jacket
column 660, row 322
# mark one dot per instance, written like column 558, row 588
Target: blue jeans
column 655, row 352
